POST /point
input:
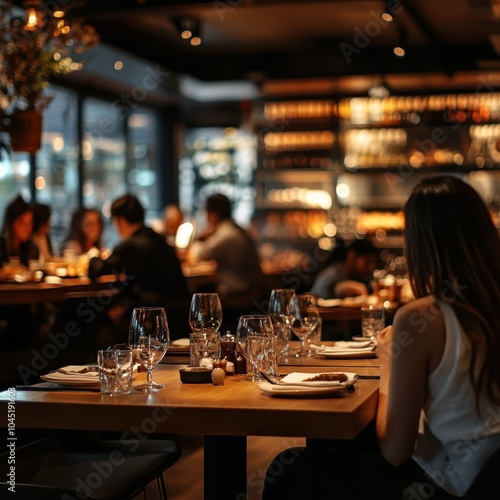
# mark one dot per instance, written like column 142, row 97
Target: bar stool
column 94, row 470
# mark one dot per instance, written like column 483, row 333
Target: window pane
column 57, row 162
column 143, row 179
column 104, row 155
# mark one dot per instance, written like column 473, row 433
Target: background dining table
column 225, row 415
column 31, row 292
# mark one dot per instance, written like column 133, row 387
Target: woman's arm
column 408, row 352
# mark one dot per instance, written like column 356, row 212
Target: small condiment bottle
column 228, row 351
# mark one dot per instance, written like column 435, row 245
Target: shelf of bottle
column 309, row 175
column 441, row 168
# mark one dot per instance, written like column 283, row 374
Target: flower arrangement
column 36, row 47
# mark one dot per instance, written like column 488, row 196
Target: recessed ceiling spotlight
column 387, row 16
column 399, row 51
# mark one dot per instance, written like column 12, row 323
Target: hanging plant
column 34, row 48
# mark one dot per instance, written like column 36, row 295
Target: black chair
column 47, row 469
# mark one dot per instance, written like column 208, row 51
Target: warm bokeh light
column 39, row 182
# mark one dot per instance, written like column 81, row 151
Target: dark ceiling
column 263, row 40
column 296, row 39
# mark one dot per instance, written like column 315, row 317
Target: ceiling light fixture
column 189, row 29
column 386, row 16
column 400, row 48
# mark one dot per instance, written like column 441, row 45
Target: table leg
column 225, row 466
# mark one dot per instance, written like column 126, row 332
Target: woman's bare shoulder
column 421, row 323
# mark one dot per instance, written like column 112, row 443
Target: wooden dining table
column 225, row 415
column 32, row 292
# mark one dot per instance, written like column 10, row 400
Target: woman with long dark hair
column 85, row 231
column 17, row 231
column 438, row 417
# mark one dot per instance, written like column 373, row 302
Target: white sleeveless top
column 454, row 441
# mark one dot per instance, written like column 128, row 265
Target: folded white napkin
column 298, row 379
column 342, row 345
column 180, row 343
column 76, row 371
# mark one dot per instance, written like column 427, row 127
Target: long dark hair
column 24, row 249
column 453, row 252
column 76, row 228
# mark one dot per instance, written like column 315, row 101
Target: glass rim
column 256, row 316
column 149, row 308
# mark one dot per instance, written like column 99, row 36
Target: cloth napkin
column 75, row 371
column 345, row 348
column 342, row 345
column 297, row 378
column 70, row 374
column 180, row 343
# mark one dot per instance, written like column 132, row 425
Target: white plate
column 89, row 380
column 300, row 392
column 307, row 391
column 348, row 354
column 359, row 338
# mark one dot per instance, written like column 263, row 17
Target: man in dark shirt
column 149, row 269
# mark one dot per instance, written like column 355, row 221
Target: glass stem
column 303, row 352
column 149, row 374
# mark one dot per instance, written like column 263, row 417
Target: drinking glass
column 278, row 311
column 255, row 341
column 304, row 318
column 205, row 313
column 149, row 338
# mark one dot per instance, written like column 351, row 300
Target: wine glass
column 205, row 316
column 304, row 317
column 278, row 311
column 205, row 313
column 255, row 341
column 149, row 338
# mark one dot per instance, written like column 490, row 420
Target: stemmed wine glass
column 255, row 341
column 205, row 312
column 304, row 317
column 149, row 338
column 278, row 311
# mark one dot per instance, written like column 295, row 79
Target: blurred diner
column 41, row 230
column 148, row 268
column 172, row 219
column 17, row 232
column 17, row 327
column 348, row 271
column 85, row 232
column 239, row 279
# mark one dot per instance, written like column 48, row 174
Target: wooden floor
column 184, row 480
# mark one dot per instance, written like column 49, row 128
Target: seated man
column 350, row 274
column 239, row 279
column 150, row 271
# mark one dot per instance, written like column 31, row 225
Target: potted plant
column 33, row 49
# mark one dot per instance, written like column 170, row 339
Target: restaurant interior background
column 301, row 112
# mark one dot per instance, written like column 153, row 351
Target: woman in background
column 18, row 327
column 17, row 232
column 85, row 231
column 41, row 230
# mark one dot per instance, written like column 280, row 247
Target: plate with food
column 310, row 384
column 83, row 376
